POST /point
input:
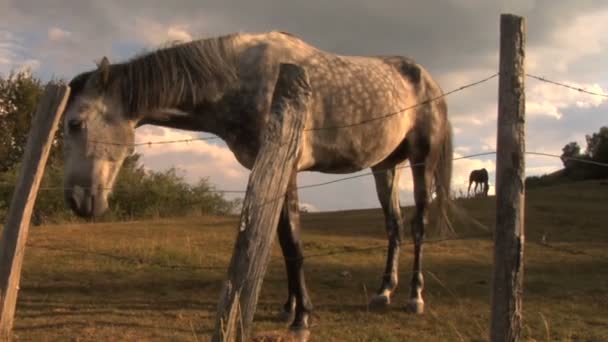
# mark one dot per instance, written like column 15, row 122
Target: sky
column 456, row 40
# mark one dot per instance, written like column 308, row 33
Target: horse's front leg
column 298, row 304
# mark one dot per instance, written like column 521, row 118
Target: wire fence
column 367, row 121
column 371, row 173
column 347, row 178
column 363, row 122
column 487, row 232
column 564, row 85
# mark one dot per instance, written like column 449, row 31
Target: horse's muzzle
column 85, row 204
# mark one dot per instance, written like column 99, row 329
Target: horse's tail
column 443, row 180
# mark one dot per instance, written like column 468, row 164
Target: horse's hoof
column 299, row 334
column 285, row 316
column 415, row 306
column 379, row 302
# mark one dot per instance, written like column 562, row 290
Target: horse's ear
column 103, row 70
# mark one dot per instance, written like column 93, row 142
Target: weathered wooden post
column 14, row 236
column 267, row 186
column 510, row 177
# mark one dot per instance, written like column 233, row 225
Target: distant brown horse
column 479, row 177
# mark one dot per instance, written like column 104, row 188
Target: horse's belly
column 347, row 150
column 357, row 116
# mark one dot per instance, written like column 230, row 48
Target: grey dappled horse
column 224, row 86
column 479, row 177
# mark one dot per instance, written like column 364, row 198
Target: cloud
column 567, row 44
column 196, row 159
column 178, row 33
column 13, row 58
column 9, row 50
column 552, row 100
column 7, row 47
column 28, row 65
column 55, row 34
column 153, row 33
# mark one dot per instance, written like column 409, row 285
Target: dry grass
column 160, row 280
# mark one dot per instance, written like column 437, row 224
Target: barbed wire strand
column 150, row 143
column 469, row 85
column 320, row 184
column 346, row 250
column 487, row 232
column 564, row 85
column 363, row 122
column 307, row 186
column 580, row 160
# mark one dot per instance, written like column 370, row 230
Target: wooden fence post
column 266, row 190
column 510, row 178
column 14, row 236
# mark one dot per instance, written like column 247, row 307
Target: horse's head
column 98, row 136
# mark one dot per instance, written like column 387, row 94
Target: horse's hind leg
column 298, row 302
column 387, row 186
column 422, row 174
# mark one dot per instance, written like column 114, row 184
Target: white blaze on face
column 105, row 172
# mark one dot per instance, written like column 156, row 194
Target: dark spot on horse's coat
column 412, row 71
column 406, row 66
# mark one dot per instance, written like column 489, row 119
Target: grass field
column 160, row 280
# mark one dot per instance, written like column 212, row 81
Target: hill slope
column 160, row 280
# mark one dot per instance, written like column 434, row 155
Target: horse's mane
column 186, row 73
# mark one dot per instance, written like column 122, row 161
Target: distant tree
column 141, row 193
column 571, row 150
column 597, row 145
column 19, row 94
column 597, row 150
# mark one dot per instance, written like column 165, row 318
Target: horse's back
column 362, row 106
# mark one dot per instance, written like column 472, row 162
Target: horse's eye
column 75, row 126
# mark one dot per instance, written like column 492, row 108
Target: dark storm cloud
column 443, row 34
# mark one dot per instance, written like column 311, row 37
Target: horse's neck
column 212, row 116
column 181, row 117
